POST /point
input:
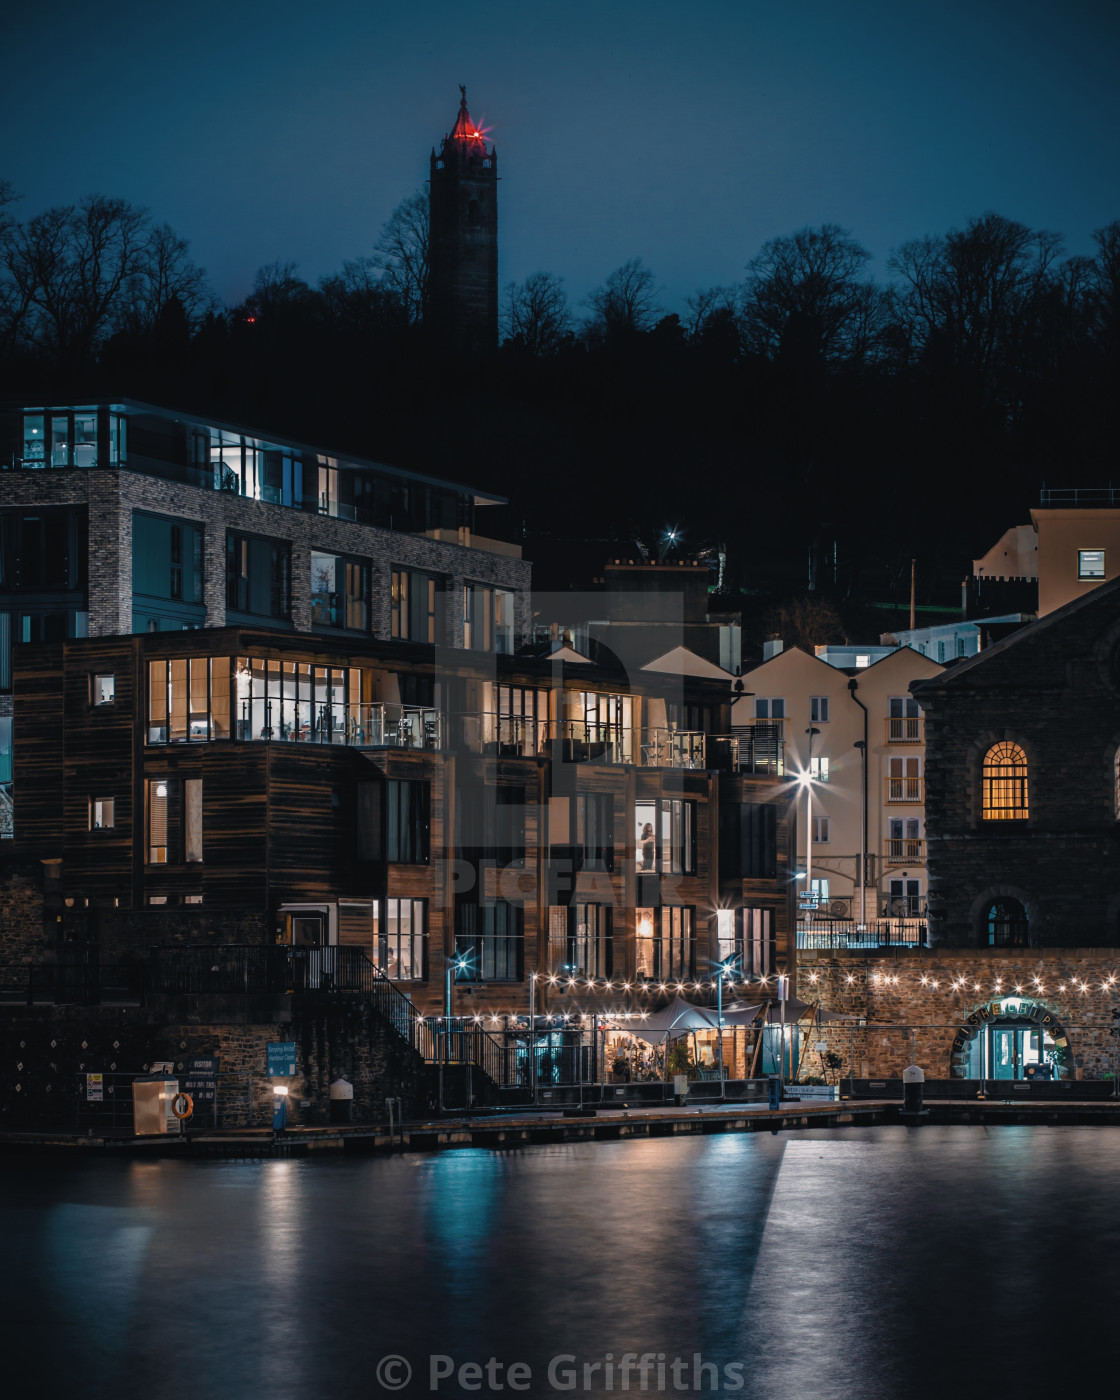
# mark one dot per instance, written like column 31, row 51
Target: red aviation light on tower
column 467, row 130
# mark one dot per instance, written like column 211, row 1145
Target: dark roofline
column 481, row 497
column 969, row 663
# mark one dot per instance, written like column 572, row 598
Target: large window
column 258, row 576
column 60, row 439
column 487, row 618
column 579, row 940
column 1005, row 783
column 664, row 943
column 414, row 606
column 665, row 836
column 338, row 591
column 174, row 820
column 747, row 935
column 520, row 725
column 42, row 550
column 188, row 700
column 594, row 832
column 489, row 938
column 407, row 822
column 167, row 574
column 748, row 844
column 400, row 943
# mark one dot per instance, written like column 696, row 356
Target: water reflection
column 879, row 1263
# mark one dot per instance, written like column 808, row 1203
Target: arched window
column 1005, row 783
column 1006, row 922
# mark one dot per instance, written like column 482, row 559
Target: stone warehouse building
column 117, row 517
column 1023, row 825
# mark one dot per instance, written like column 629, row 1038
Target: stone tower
column 463, row 239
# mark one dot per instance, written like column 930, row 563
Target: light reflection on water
column 874, row 1263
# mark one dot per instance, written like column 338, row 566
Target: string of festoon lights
column 1000, row 986
column 956, row 983
column 570, row 983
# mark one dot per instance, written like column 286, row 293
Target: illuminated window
column 101, row 814
column 818, row 768
column 1005, row 783
column 1090, row 563
column 104, row 690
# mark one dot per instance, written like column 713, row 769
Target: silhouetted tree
column 626, row 304
column 402, row 254
column 69, row 267
column 804, row 300
column 537, row 317
column 968, row 301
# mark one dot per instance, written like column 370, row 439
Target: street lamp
column 807, row 782
column 723, row 969
column 459, row 964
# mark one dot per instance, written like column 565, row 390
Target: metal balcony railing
column 904, row 790
column 904, row 850
column 906, row 729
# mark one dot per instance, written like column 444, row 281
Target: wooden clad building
column 549, row 828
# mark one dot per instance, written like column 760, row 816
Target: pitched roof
column 1025, row 634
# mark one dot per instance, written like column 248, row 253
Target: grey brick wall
column 112, row 496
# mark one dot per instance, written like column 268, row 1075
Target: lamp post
column 723, row 969
column 807, row 779
column 459, row 964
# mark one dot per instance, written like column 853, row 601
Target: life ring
column 182, row 1105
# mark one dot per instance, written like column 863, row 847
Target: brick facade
column 113, row 495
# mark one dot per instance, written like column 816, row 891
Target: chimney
column 772, row 648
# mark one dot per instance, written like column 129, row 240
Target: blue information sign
column 281, row 1058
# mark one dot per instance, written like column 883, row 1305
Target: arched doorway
column 1012, row 1038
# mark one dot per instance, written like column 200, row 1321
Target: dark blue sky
column 684, row 134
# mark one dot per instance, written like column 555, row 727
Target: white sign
column 95, row 1088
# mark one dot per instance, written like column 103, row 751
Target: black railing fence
column 905, row 932
column 66, row 984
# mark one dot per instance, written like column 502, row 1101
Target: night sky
column 682, row 134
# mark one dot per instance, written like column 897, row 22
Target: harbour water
column 887, row 1262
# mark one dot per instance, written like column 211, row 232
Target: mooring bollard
column 913, row 1082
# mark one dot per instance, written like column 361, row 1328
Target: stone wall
column 936, row 991
column 46, row 1050
column 23, row 937
column 1053, row 689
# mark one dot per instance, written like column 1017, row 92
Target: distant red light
column 250, row 320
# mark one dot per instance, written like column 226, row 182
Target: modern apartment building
column 118, row 517
column 491, row 830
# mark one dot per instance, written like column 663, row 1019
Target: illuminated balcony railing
column 362, row 726
column 905, row 729
column 905, row 850
column 904, row 790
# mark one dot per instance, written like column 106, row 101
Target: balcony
column 904, row 790
column 467, row 538
column 908, row 931
column 756, row 748
column 581, row 741
column 908, row 729
column 904, row 850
